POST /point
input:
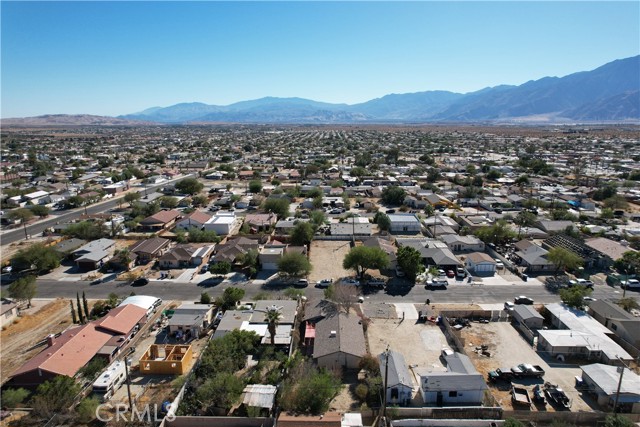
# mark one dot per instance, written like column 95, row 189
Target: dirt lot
column 42, row 319
column 508, row 348
column 326, row 257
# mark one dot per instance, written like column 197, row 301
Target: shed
column 528, row 316
column 399, row 383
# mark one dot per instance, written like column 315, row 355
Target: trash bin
column 525, row 277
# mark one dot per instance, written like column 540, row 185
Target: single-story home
column 480, row 264
column 404, row 224
column 399, row 379
column 603, row 381
column 339, row 342
column 150, row 249
column 193, row 318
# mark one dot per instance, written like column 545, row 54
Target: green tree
column 40, row 210
column 272, row 317
column 13, row 397
column 617, row 420
column 498, row 233
column 189, row 186
column 563, row 259
column 362, row 258
column 222, row 267
column 574, row 296
column 629, row 263
column 383, row 221
column 205, row 298
column 86, row 230
column 308, row 390
column 85, row 305
column 279, row 206
column 317, row 218
column 132, row 197
column 410, row 260
column 221, row 390
column 255, row 186
column 294, row 264
column 23, row 289
column 80, row 313
column 302, row 233
column 86, row 410
column 74, row 316
column 393, row 195
column 168, row 202
column 230, row 297
column 524, row 219
column 199, row 200
column 55, row 397
column 23, row 215
column 38, row 256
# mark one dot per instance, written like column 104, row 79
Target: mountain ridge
column 610, row 92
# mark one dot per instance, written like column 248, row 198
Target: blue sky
column 112, row 58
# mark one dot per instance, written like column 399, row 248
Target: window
column 453, row 394
column 394, row 393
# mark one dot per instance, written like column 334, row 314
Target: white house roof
column 221, row 219
column 143, row 301
column 607, row 378
column 576, row 320
column 36, row 194
column 593, row 342
column 403, row 218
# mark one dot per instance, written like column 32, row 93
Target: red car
column 451, row 274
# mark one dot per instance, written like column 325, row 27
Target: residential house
column 65, row 248
column 591, row 258
column 270, row 255
column 180, row 256
column 459, row 243
column 261, row 222
column 233, row 248
column 339, row 342
column 461, row 384
column 480, row 264
column 552, row 227
column 579, row 335
column 609, row 250
column 434, row 252
column 195, row 219
column 609, row 385
column 399, row 379
column 621, row 323
column 194, row 319
column 160, row 221
column 149, row 249
column 94, row 254
column 385, row 245
column 8, row 312
column 223, row 223
column 404, row 224
column 532, row 257
column 67, row 353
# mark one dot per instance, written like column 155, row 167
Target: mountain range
column 610, row 93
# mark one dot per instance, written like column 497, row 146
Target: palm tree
column 272, row 317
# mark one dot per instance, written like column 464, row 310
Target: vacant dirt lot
column 508, row 348
column 36, row 323
column 326, row 257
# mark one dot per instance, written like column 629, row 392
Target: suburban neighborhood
column 262, row 275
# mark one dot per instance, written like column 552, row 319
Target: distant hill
column 71, row 120
column 608, row 93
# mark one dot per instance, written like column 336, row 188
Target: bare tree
column 345, row 296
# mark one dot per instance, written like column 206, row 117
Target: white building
column 602, row 380
column 404, row 224
column 480, row 264
column 223, row 223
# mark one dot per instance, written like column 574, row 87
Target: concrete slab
column 409, row 311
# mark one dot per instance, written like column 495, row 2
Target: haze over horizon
column 113, row 58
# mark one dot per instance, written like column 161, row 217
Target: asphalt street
column 456, row 293
column 34, row 229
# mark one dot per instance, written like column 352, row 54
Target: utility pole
column 615, row 405
column 384, row 389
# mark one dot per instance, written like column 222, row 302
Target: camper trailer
column 110, row 381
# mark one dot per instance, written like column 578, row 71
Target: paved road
column 457, row 293
column 66, row 216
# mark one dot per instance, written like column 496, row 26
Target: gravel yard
column 326, row 257
column 508, row 349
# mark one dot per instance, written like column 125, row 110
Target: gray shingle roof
column 398, row 374
column 349, row 337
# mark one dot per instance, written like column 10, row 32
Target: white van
column 631, row 284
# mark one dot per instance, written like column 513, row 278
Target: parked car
column 499, row 264
column 95, row 282
column 631, row 284
column 523, row 300
column 376, row 283
column 324, row 283
column 301, row 283
column 437, row 283
column 350, row 281
column 391, row 211
column 7, row 269
column 581, row 282
column 508, row 306
column 140, row 281
column 450, row 274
